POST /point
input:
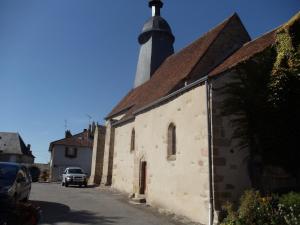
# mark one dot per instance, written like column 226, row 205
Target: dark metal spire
column 155, row 5
column 156, row 42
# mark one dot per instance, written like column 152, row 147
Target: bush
column 44, row 176
column 289, row 208
column 256, row 209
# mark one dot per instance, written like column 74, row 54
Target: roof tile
column 79, row 140
column 175, row 68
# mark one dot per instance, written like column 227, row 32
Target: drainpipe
column 209, row 131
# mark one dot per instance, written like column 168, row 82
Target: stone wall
column 106, row 178
column 230, row 172
column 98, row 155
column 179, row 185
column 123, row 159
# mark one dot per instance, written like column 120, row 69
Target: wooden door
column 143, row 183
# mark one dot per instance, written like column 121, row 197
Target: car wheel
column 66, row 184
column 62, row 184
column 85, row 184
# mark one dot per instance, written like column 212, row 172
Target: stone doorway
column 143, row 178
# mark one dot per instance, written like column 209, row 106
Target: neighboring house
column 167, row 140
column 13, row 149
column 73, row 150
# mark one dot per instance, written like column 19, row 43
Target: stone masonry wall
column 108, row 154
column 178, row 185
column 230, row 173
column 98, row 155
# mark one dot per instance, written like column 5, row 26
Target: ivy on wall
column 264, row 97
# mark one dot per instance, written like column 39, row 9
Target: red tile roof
column 172, row 71
column 78, row 140
column 246, row 52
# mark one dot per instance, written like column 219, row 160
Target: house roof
column 173, row 71
column 12, row 143
column 246, row 52
column 82, row 139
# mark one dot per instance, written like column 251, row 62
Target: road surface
column 74, row 206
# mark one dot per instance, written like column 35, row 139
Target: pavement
column 80, row 206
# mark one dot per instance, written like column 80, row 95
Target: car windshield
column 75, row 171
column 7, row 174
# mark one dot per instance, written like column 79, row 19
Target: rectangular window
column 71, row 152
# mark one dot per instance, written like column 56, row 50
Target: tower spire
column 155, row 5
column 156, row 40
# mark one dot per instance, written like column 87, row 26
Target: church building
column 167, row 141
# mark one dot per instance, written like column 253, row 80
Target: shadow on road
column 53, row 213
column 76, row 186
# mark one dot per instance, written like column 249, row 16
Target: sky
column 67, row 59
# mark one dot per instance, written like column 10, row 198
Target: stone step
column 138, row 199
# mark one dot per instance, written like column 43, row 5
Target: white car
column 74, row 176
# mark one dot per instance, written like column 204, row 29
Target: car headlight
column 69, row 178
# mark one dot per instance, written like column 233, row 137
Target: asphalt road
column 73, row 206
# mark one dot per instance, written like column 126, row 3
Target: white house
column 73, row 150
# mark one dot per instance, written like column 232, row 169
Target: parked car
column 15, row 182
column 74, row 176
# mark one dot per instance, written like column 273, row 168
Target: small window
column 132, row 141
column 70, row 152
column 172, row 142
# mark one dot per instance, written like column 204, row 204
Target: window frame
column 132, row 140
column 67, row 152
column 171, row 142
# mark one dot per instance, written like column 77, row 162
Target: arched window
column 132, row 142
column 171, row 141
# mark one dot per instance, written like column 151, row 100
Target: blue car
column 15, row 182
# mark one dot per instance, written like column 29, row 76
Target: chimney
column 28, row 147
column 68, row 134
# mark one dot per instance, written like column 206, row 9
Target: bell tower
column 156, row 40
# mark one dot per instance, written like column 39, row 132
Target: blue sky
column 64, row 59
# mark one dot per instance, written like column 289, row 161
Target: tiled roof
column 78, row 140
column 246, row 52
column 173, row 70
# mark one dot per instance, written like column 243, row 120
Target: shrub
column 255, row 209
column 289, row 208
